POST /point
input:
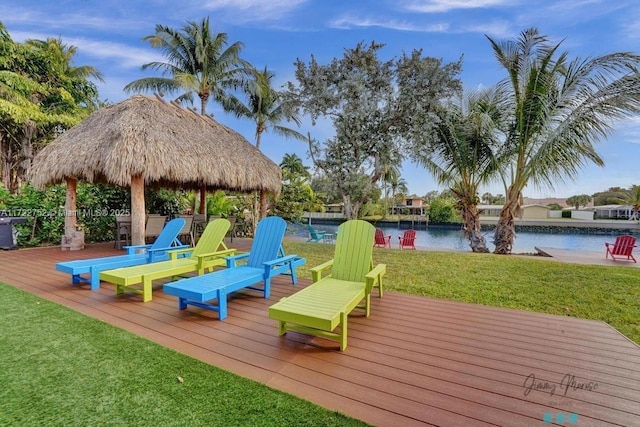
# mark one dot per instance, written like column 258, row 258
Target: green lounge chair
column 324, row 305
column 208, row 253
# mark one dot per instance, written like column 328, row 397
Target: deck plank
column 415, row 361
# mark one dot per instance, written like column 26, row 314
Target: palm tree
column 198, row 62
column 292, row 164
column 390, row 173
column 558, row 108
column 62, row 55
column 631, row 197
column 398, row 187
column 462, row 156
column 265, row 107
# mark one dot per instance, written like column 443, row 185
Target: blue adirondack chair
column 136, row 255
column 265, row 260
column 315, row 235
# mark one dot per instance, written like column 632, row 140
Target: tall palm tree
column 265, row 107
column 390, row 173
column 198, row 62
column 558, row 108
column 462, row 155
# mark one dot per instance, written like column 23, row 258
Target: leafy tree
column 325, row 190
column 441, row 210
column 62, row 71
column 198, row 62
column 554, row 207
column 166, row 202
column 296, row 192
column 461, row 156
column 558, row 109
column 371, row 103
column 579, row 200
column 41, row 94
column 265, row 108
column 431, row 195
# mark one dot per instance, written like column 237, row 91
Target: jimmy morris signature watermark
column 569, row 383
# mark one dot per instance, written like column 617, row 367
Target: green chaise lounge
column 324, row 305
column 208, row 253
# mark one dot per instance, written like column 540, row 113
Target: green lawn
column 59, row 367
column 610, row 294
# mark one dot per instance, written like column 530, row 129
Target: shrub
column 441, row 210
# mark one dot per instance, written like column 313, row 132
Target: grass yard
column 59, row 367
column 610, row 294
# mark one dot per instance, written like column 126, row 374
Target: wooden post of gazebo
column 73, row 239
column 203, row 200
column 137, row 210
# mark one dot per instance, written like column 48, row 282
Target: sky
column 275, row 33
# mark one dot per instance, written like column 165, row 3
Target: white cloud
column 499, row 29
column 126, row 56
column 629, row 129
column 348, row 22
column 68, row 22
column 255, row 10
column 439, row 6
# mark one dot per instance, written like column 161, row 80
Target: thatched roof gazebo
column 148, row 141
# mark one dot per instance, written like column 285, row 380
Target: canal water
column 441, row 238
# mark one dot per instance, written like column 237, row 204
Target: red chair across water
column 622, row 247
column 381, row 241
column 407, row 240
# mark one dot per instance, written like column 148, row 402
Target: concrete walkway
column 584, row 257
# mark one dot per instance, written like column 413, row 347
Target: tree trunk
column 137, row 210
column 263, row 204
column 348, row 213
column 506, row 228
column 203, row 200
column 5, row 166
column 70, row 217
column 472, row 229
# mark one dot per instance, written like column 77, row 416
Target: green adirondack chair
column 323, row 307
column 208, row 253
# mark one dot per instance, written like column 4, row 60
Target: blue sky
column 275, row 33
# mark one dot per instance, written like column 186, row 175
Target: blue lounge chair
column 264, row 261
column 136, row 255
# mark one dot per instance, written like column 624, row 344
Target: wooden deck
column 415, row 361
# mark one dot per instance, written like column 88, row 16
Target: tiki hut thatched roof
column 166, row 144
